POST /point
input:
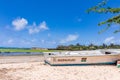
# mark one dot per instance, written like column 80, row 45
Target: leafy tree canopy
column 101, row 8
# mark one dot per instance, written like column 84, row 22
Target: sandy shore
column 39, row 71
column 21, row 59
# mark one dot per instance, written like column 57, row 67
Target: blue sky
column 48, row 23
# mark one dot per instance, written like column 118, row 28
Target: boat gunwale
column 83, row 55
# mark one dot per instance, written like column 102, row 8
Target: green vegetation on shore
column 24, row 50
column 76, row 47
column 88, row 47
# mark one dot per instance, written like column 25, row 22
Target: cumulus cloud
column 112, row 40
column 36, row 29
column 19, row 23
column 69, row 38
column 109, row 40
column 22, row 23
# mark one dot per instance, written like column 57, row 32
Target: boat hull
column 82, row 60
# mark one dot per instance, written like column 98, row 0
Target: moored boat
column 82, row 57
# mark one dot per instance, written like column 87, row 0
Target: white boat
column 82, row 57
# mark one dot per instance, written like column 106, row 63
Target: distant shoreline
column 8, row 50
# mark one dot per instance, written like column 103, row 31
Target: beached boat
column 83, row 57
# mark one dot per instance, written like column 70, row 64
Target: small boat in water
column 82, row 57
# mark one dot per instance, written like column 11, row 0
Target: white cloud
column 19, row 23
column 69, row 38
column 22, row 23
column 36, row 29
column 43, row 26
column 112, row 40
column 109, row 40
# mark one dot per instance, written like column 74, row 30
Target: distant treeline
column 75, row 47
column 88, row 47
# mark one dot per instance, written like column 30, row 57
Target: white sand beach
column 20, row 59
column 40, row 71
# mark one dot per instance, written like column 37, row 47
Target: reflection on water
column 19, row 53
